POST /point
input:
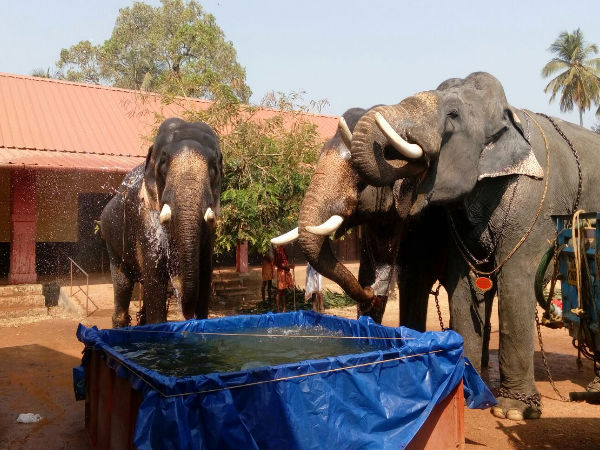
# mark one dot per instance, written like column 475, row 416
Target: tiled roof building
column 64, row 147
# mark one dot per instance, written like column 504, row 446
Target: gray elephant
column 160, row 225
column 500, row 173
column 336, row 200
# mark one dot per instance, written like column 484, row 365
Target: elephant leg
column 205, row 294
column 467, row 317
column 518, row 397
column 487, row 329
column 155, row 297
column 414, row 286
column 123, row 287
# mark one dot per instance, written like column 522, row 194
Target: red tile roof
column 46, row 123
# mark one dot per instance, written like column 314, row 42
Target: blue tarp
column 374, row 400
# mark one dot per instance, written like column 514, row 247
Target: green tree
column 578, row 79
column 268, row 163
column 174, row 49
column 80, row 63
column 41, row 73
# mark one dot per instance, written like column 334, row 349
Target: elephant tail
column 540, row 277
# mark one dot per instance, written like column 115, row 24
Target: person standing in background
column 267, row 274
column 314, row 290
column 284, row 278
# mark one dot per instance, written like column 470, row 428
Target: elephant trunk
column 375, row 154
column 317, row 248
column 192, row 224
column 190, row 229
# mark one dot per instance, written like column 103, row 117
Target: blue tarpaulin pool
column 373, row 400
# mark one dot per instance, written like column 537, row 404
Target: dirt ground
column 37, row 356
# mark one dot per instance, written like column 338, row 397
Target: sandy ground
column 37, row 356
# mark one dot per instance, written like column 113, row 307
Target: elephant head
column 336, row 200
column 462, row 132
column 181, row 187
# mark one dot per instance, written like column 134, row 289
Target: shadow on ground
column 553, row 433
column 36, row 379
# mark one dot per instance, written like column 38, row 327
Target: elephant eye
column 452, row 114
column 162, row 167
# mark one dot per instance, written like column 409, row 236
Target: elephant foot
column 374, row 308
column 141, row 317
column 518, row 406
column 120, row 320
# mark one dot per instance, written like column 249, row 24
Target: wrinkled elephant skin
column 486, row 166
column 160, row 225
column 337, row 190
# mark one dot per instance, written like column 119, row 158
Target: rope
column 184, row 333
column 256, row 383
column 533, row 221
column 576, row 236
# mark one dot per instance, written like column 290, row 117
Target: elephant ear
column 509, row 152
column 148, row 191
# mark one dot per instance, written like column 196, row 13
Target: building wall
column 4, row 205
column 57, row 201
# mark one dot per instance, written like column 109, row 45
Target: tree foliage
column 269, row 151
column 80, row 63
column 578, row 79
column 268, row 156
column 175, row 49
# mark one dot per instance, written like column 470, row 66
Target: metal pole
column 87, row 297
column 294, row 286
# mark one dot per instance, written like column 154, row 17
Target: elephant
column 160, row 225
column 499, row 173
column 336, row 200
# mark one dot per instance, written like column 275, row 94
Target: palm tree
column 578, row 73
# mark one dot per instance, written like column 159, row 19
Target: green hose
column 539, row 283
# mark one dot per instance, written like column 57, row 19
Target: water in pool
column 187, row 354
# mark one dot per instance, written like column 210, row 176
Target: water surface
column 187, row 354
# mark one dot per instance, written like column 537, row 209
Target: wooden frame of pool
column 111, row 408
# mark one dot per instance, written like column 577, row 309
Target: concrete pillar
column 241, row 257
column 22, row 227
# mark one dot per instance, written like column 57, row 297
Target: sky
column 349, row 53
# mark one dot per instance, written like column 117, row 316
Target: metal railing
column 79, row 289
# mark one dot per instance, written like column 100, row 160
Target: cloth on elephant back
column 284, row 277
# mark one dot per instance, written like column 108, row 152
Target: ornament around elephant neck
column 484, row 284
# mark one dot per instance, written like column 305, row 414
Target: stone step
column 225, row 275
column 254, row 283
column 233, row 297
column 15, row 312
column 231, row 274
column 231, row 289
column 21, row 289
column 24, row 300
column 228, row 283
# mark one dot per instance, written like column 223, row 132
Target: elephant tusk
column 345, row 132
column 165, row 214
column 412, row 151
column 286, row 238
column 209, row 215
column 327, row 227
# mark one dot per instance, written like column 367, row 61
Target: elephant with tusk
column 160, row 225
column 499, row 173
column 338, row 199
